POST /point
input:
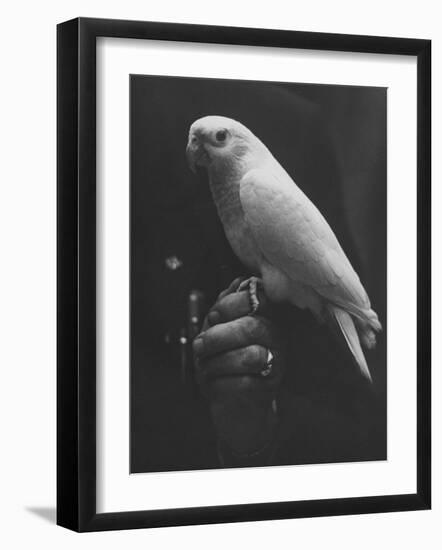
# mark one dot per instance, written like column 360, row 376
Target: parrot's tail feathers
column 368, row 337
column 367, row 324
column 363, row 316
column 348, row 330
column 373, row 321
column 367, row 328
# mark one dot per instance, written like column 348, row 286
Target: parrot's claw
column 251, row 285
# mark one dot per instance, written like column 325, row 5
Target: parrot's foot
column 251, row 285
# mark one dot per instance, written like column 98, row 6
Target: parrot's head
column 218, row 140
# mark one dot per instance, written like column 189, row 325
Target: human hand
column 231, row 362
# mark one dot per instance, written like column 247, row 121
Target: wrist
column 257, row 451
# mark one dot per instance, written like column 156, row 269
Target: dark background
column 332, row 141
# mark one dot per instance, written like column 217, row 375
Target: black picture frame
column 76, row 274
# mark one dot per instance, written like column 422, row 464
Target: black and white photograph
column 243, row 269
column 219, row 309
column 258, row 265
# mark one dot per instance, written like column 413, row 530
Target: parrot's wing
column 294, row 237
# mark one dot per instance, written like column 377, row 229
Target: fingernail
column 198, row 346
column 214, row 317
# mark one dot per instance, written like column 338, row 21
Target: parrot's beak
column 196, row 154
column 191, row 160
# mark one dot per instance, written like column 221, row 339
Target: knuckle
column 249, row 326
column 254, row 328
column 213, row 335
column 213, row 317
column 230, row 302
column 208, row 337
column 222, row 306
column 216, row 338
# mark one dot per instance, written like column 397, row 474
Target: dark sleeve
column 327, row 411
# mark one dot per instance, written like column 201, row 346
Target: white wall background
column 27, row 286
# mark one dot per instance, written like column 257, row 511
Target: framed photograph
column 243, row 274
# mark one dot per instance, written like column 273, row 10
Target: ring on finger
column 267, row 370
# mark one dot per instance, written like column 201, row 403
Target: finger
column 250, row 360
column 232, row 306
column 231, row 288
column 235, row 305
column 236, row 334
column 212, row 318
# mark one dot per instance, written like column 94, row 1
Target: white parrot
column 279, row 234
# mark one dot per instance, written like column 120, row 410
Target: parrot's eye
column 221, row 135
